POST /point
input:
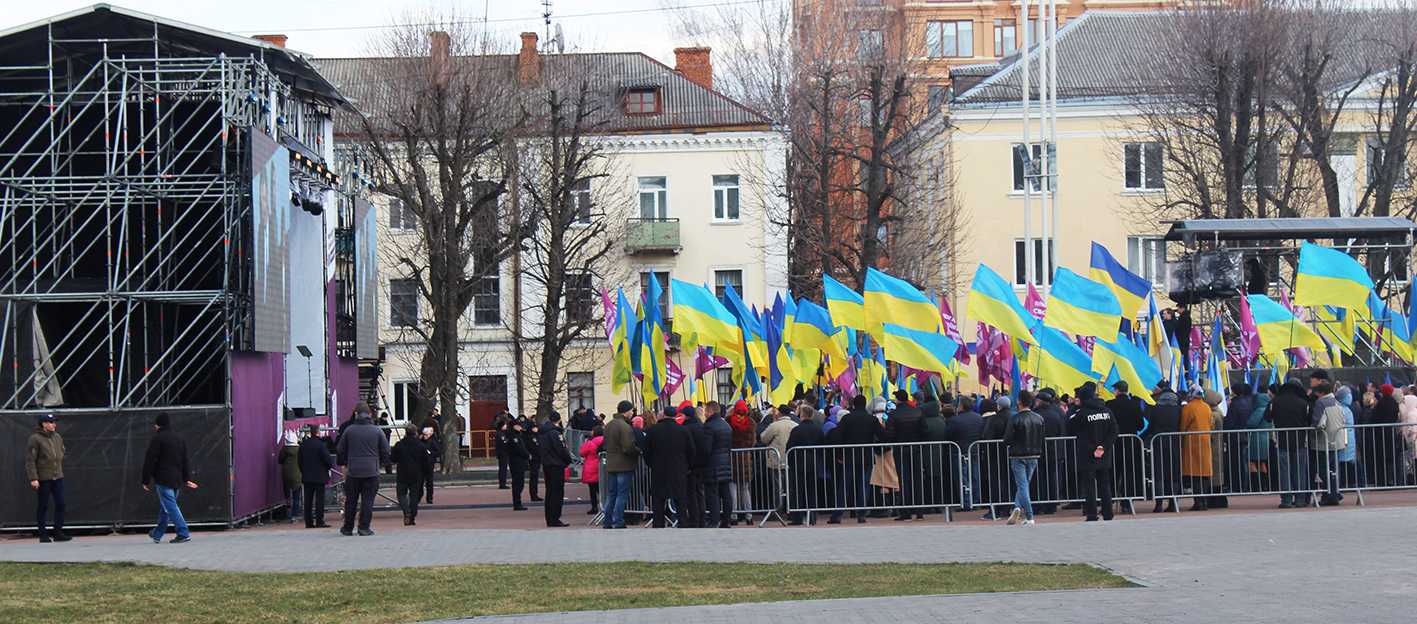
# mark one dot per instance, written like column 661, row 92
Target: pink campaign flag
column 982, row 342
column 1086, row 343
column 705, row 362
column 1002, row 358
column 1035, row 303
column 846, row 382
column 608, row 306
column 1249, row 335
column 673, row 378
column 947, row 320
column 1198, row 345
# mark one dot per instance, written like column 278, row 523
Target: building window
column 1375, row 165
column 580, row 391
column 487, row 290
column 1039, row 261
column 1030, row 165
column 1146, row 256
column 400, row 217
column 663, row 278
column 642, row 101
column 936, row 96
column 578, row 202
column 1005, row 37
column 723, row 279
column 580, row 298
column 403, row 303
column 870, row 44
column 654, row 198
column 953, row 39
column 1142, row 166
column 1268, row 170
column 723, row 379
column 490, row 388
column 405, row 400
column 725, row 198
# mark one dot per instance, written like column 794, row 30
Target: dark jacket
column 994, row 425
column 703, row 446
column 1126, row 409
column 44, row 455
column 807, row 467
column 411, row 457
column 166, row 460
column 531, row 439
column 584, row 420
column 1165, row 416
column 1094, row 426
column 289, row 460
column 620, row 448
column 1385, row 412
column 904, row 424
column 668, row 449
column 1239, row 411
column 858, row 427
column 1290, row 410
column 964, row 429
column 553, row 446
column 1023, row 434
column 315, row 462
column 363, row 449
column 721, row 451
column 932, row 425
column 514, row 444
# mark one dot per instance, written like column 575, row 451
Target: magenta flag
column 705, row 362
column 673, row 378
column 1198, row 344
column 947, row 320
column 1035, row 304
column 608, row 306
column 1086, row 343
column 982, row 351
column 1302, row 357
column 846, row 382
column 1249, row 334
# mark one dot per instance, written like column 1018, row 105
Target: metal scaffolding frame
column 124, row 211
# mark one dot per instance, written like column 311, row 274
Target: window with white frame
column 949, row 39
column 580, row 298
column 578, row 200
column 663, row 278
column 405, row 400
column 723, row 379
column 1146, row 256
column 654, row 198
column 725, row 278
column 580, row 391
column 1029, row 165
column 1005, row 37
column 403, row 303
column 725, row 198
column 487, row 289
column 1040, row 260
column 1142, row 167
column 400, row 217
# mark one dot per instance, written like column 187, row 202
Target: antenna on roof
column 546, row 16
column 560, row 40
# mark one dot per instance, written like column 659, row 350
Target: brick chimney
column 528, row 60
column 278, row 40
column 439, row 63
column 694, row 64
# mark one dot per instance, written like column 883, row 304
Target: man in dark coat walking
column 409, row 456
column 165, row 464
column 361, row 450
column 718, row 484
column 315, row 465
column 554, row 459
column 1096, row 432
column 668, row 450
column 693, row 511
column 44, row 465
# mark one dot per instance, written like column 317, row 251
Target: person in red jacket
column 590, row 468
column 745, row 435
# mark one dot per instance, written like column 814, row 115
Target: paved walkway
column 1304, row 566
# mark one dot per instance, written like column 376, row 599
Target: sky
column 344, row 27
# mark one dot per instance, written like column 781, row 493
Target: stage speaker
column 1206, row 275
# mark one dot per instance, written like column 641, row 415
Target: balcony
column 652, row 236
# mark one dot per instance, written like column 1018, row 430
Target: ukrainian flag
column 992, row 301
column 1328, row 276
column 790, row 317
column 893, row 300
column 1081, row 306
column 1279, row 329
column 847, row 307
column 1336, row 326
column 697, row 312
column 782, row 374
column 652, row 359
column 1131, row 289
column 917, row 349
column 1058, row 362
column 812, row 329
column 620, row 343
column 754, row 344
column 1131, row 364
column 1157, row 344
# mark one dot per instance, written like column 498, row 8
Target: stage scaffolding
column 124, row 220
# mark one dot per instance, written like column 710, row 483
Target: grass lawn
column 91, row 593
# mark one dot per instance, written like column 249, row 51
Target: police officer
column 1096, row 432
column 531, row 437
column 511, row 437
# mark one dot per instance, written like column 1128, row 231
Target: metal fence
column 1057, row 479
column 910, row 477
column 1378, row 457
column 1208, row 466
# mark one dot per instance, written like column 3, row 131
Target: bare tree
column 1393, row 117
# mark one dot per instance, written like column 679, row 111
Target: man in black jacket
column 1051, row 483
column 1023, row 435
column 668, row 450
column 531, row 434
column 718, row 488
column 1127, row 411
column 512, row 440
column 1293, row 424
column 693, row 512
column 804, row 472
column 964, row 429
column 315, row 465
column 1096, row 432
column 362, row 450
column 856, row 427
column 554, row 459
column 905, row 426
column 165, row 464
column 409, row 456
column 1165, row 418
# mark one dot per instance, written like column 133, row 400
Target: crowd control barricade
column 598, row 519
column 574, row 438
column 913, row 477
column 640, row 503
column 759, row 483
column 1057, row 479
column 1210, row 465
column 1378, row 457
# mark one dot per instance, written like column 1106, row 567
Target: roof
column 1105, row 54
column 26, row 44
column 1286, row 229
column 685, row 104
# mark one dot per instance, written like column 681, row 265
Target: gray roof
column 685, row 104
column 1289, row 229
column 1105, row 54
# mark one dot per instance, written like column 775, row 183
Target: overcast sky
column 343, row 27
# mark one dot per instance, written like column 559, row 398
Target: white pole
column 1045, row 52
column 1027, row 153
column 1053, row 124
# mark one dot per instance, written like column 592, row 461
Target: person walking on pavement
column 1023, row 434
column 621, row 455
column 668, row 450
column 315, row 465
column 289, row 460
column 165, row 465
column 44, row 465
column 513, row 440
column 409, row 456
column 361, row 450
column 554, row 459
column 718, row 480
column 1096, row 432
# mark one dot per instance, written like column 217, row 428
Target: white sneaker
column 1028, row 522
column 1014, row 516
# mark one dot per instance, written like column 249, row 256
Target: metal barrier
column 1057, row 479
column 759, row 483
column 1210, row 465
column 574, row 438
column 1378, row 457
column 910, row 477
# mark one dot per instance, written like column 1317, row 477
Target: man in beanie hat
column 44, row 465
column 362, row 449
column 1096, row 432
column 621, row 456
column 554, row 460
column 165, row 465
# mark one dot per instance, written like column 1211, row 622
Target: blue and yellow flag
column 992, row 302
column 1327, row 276
column 1081, row 306
column 697, row 312
column 1058, row 362
column 652, row 358
column 782, row 373
column 789, row 319
column 1279, row 329
column 848, row 308
column 1131, row 364
column 1130, row 289
column 930, row 351
column 1157, row 344
column 754, row 343
column 893, row 300
column 812, row 329
column 1336, row 327
column 620, row 343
